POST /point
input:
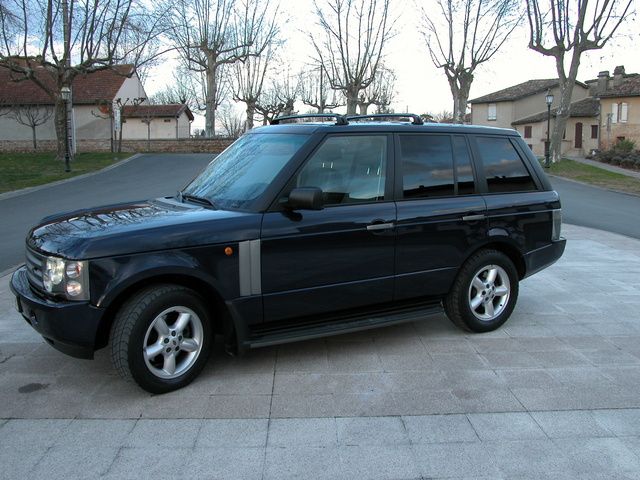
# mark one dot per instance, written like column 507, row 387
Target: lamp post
column 549, row 99
column 65, row 93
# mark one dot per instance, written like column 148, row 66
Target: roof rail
column 340, row 119
column 415, row 119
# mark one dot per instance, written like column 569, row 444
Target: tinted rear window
column 504, row 170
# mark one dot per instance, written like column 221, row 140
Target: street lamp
column 65, row 93
column 549, row 99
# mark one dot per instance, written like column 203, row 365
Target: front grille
column 35, row 265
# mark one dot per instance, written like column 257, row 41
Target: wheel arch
column 511, row 251
column 212, row 299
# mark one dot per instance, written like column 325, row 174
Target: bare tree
column 182, row 90
column 147, row 117
column 32, row 116
column 50, row 42
column 116, row 109
column 316, row 91
column 564, row 30
column 350, row 45
column 464, row 34
column 232, row 121
column 379, row 93
column 279, row 97
column 440, row 117
column 249, row 81
column 212, row 33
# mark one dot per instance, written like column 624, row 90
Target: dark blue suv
column 297, row 230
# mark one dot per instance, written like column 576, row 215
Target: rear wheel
column 161, row 338
column 484, row 292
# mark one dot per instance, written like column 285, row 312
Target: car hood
column 122, row 229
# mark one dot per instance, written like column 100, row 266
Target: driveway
column 553, row 394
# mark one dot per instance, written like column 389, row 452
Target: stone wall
column 181, row 145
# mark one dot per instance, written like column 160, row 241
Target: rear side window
column 504, row 169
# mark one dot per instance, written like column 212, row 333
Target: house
column 619, row 97
column 581, row 133
column 94, row 99
column 156, row 121
column 603, row 111
column 524, row 108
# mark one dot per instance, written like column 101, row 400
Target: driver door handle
column 376, row 227
column 474, row 218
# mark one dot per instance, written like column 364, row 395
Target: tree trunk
column 59, row 121
column 460, row 85
column 567, row 83
column 211, row 102
column 251, row 109
column 352, row 100
column 35, row 141
column 562, row 117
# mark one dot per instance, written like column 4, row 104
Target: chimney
column 618, row 75
column 603, row 82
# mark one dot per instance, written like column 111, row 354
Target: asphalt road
column 588, row 206
column 155, row 175
column 146, row 176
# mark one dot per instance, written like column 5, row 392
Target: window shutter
column 624, row 112
column 614, row 111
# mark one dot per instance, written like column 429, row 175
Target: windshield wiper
column 196, row 199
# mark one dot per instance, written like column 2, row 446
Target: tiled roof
column 90, row 89
column 156, row 111
column 588, row 107
column 628, row 88
column 518, row 92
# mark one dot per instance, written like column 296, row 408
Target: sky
column 422, row 88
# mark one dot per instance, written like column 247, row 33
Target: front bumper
column 70, row 327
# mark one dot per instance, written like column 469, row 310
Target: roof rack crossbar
column 340, row 119
column 415, row 119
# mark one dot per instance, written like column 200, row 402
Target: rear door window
column 435, row 166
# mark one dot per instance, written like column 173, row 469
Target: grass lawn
column 22, row 170
column 595, row 176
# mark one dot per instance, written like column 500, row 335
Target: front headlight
column 66, row 277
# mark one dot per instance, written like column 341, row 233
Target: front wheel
column 161, row 338
column 484, row 292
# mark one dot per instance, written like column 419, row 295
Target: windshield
column 238, row 176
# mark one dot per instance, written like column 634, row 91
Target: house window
column 620, row 112
column 492, row 113
column 528, row 131
column 594, row 131
column 167, row 120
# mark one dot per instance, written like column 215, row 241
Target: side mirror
column 305, row 198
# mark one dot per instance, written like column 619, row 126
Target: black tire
column 161, row 338
column 484, row 293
